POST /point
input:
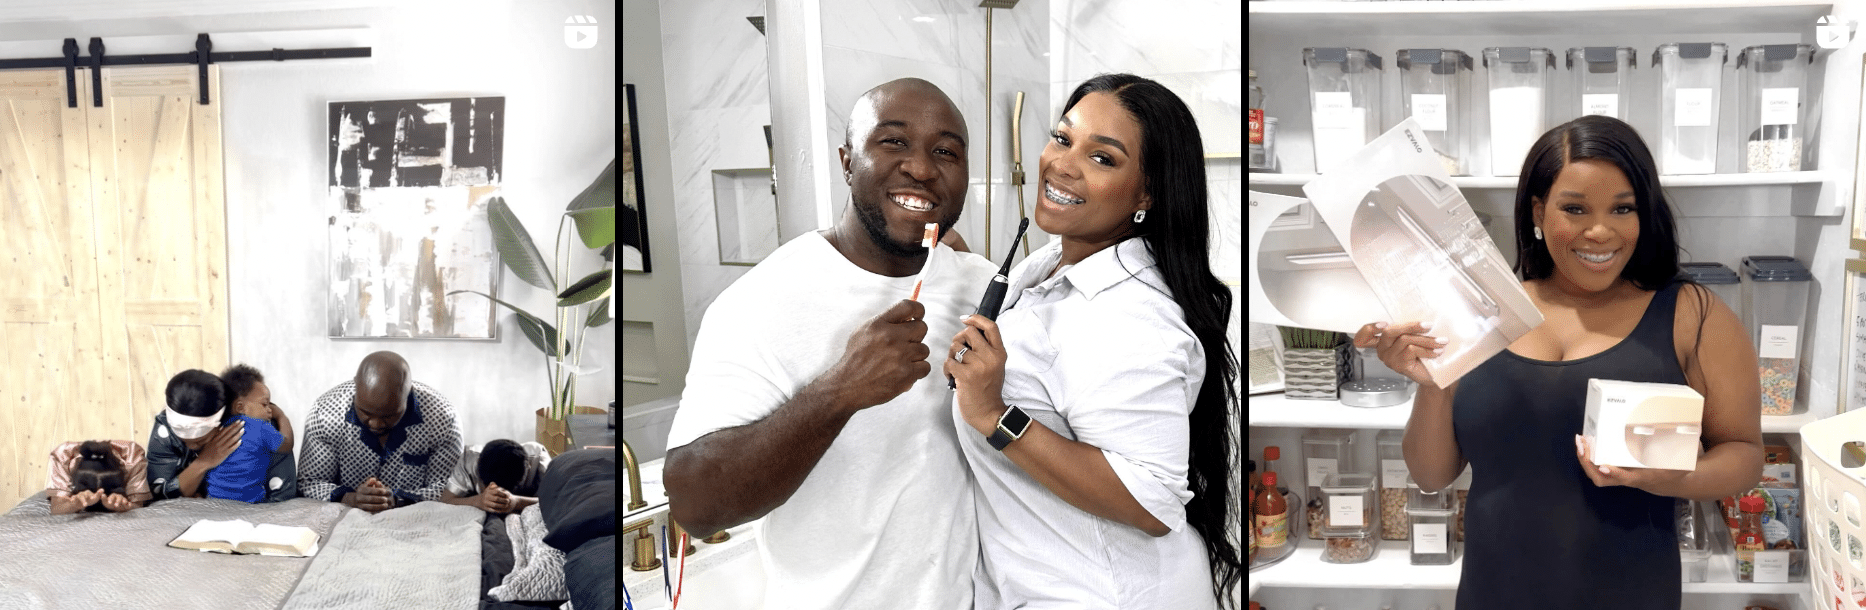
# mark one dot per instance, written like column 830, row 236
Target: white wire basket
column 1831, row 512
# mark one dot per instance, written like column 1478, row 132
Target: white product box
column 1643, row 425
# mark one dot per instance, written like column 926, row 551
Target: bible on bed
column 240, row 537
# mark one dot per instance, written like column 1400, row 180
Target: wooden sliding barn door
column 113, row 277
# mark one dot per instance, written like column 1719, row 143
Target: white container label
column 1771, row 566
column 1604, row 104
column 1340, row 129
column 1345, row 511
column 1515, row 123
column 1693, row 109
column 1319, row 469
column 1393, row 474
column 1778, row 342
column 1429, row 539
column 1429, row 110
column 1781, row 106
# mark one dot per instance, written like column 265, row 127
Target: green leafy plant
column 582, row 304
column 1308, row 338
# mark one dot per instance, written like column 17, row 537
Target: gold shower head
column 998, row 4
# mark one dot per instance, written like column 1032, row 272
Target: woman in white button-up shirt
column 1112, row 342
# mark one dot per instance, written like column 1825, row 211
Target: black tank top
column 1538, row 533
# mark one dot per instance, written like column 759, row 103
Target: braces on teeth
column 1058, row 196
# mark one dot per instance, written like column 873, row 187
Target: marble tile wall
column 718, row 104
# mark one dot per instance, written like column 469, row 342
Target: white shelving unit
column 1723, row 216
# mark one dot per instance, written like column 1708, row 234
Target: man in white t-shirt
column 811, row 401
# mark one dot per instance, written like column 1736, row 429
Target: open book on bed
column 240, row 537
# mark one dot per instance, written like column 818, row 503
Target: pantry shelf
column 1277, row 410
column 1529, row 17
column 1509, row 182
column 1392, row 568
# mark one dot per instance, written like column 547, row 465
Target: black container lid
column 1775, row 269
column 1708, row 273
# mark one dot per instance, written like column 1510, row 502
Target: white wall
column 559, row 134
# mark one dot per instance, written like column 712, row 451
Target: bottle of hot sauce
column 1272, row 516
column 1748, row 537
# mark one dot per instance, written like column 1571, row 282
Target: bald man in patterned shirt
column 379, row 441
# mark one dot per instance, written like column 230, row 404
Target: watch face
column 1015, row 420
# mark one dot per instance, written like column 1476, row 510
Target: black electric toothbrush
column 994, row 291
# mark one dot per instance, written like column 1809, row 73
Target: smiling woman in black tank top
column 1598, row 254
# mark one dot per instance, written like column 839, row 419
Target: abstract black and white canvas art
column 409, row 181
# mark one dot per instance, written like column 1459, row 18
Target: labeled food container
column 1722, row 281
column 1690, row 92
column 1349, row 504
column 1431, row 517
column 1772, row 84
column 1520, row 78
column 1344, row 102
column 1434, row 84
column 1603, row 81
column 1350, row 548
column 1394, row 478
column 1775, row 300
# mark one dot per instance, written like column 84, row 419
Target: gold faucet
column 645, row 556
column 634, row 477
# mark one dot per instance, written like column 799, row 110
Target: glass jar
column 1431, row 518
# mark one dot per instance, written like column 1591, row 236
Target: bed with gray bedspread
column 427, row 552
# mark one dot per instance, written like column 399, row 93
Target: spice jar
column 1429, row 515
column 1349, row 504
column 1324, row 453
column 1350, row 548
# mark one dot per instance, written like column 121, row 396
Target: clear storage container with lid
column 1519, row 88
column 1325, row 452
column 1722, row 281
column 1773, row 83
column 1344, row 102
column 1690, row 94
column 1349, row 505
column 1430, row 519
column 1351, row 547
column 1775, row 299
column 1603, row 81
column 1434, row 84
column 1390, row 450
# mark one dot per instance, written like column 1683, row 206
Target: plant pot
column 1315, row 374
column 555, row 435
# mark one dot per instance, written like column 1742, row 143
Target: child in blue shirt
column 242, row 476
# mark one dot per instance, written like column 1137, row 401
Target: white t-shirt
column 885, row 519
column 1098, row 356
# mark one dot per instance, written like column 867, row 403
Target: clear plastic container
column 1344, row 101
column 1325, row 452
column 1350, row 548
column 1431, row 517
column 1433, row 86
column 1350, row 506
column 1603, row 81
column 1694, row 551
column 1773, row 82
column 1258, row 159
column 1690, row 94
column 1519, row 92
column 1775, row 298
column 1722, row 281
column 1394, row 477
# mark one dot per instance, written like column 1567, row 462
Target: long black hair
column 1176, row 229
column 1653, row 264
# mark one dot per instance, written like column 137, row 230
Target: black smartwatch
column 1011, row 426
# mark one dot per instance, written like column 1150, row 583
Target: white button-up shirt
column 1101, row 354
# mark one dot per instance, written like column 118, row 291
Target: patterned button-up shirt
column 340, row 453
